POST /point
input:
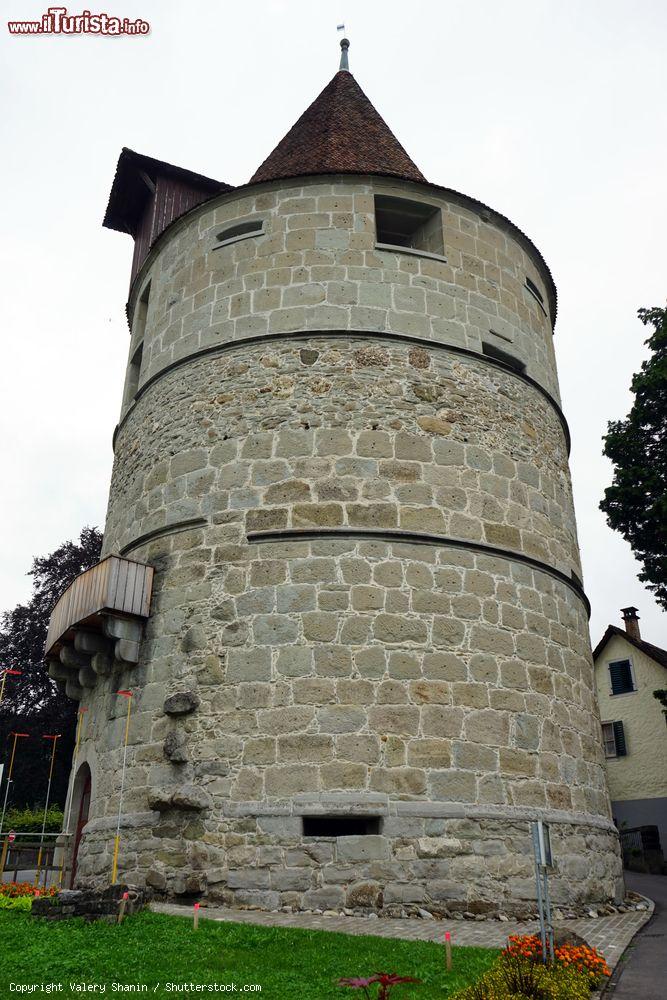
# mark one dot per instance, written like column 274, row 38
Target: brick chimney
column 631, row 621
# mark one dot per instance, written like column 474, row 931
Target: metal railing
column 34, row 860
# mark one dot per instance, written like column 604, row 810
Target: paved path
column 642, row 975
column 610, row 934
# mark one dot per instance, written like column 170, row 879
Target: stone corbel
column 126, row 637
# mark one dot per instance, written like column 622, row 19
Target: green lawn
column 153, row 949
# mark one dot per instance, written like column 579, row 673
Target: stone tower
column 365, row 665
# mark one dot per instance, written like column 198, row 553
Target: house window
column 491, row 351
column 240, row 231
column 340, row 826
column 620, row 675
column 536, row 293
column 409, row 224
column 613, row 735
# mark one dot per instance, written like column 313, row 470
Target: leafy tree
column 661, row 696
column 636, row 501
column 33, row 703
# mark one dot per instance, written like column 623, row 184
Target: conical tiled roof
column 341, row 132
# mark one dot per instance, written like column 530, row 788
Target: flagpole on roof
column 344, row 46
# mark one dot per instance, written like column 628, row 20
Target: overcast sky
column 551, row 111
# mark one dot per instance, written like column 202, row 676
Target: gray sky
column 551, row 111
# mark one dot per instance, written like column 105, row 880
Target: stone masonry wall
column 420, row 655
column 329, row 676
column 348, row 431
column 317, row 268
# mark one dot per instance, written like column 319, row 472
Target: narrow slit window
column 410, row 224
column 340, row 826
column 133, row 373
column 536, row 293
column 497, row 353
column 141, row 314
column 241, row 231
column 139, row 332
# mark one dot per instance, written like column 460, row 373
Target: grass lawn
column 152, row 949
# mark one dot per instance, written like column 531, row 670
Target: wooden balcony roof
column 117, row 586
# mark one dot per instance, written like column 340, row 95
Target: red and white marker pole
column 17, row 736
column 55, row 739
column 123, row 906
column 196, row 916
column 116, row 845
column 448, row 950
column 5, row 672
column 75, row 759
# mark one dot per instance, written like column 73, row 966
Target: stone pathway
column 610, row 934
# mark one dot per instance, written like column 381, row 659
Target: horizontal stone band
column 356, row 805
column 168, row 529
column 347, row 335
column 419, row 538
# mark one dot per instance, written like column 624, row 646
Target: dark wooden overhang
column 148, row 194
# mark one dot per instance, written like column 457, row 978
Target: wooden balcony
column 98, row 620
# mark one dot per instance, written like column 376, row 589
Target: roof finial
column 344, row 46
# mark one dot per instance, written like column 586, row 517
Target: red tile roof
column 341, row 132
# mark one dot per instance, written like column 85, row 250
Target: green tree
column 661, row 696
column 636, row 501
column 33, row 703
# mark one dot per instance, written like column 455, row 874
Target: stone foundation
column 91, row 904
column 423, row 856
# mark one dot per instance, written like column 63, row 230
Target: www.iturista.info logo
column 57, row 21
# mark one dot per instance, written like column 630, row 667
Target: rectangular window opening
column 138, row 334
column 410, row 224
column 613, row 736
column 240, row 231
column 340, row 826
column 133, row 373
column 491, row 351
column 620, row 675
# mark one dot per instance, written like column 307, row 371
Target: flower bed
column 520, row 973
column 19, row 895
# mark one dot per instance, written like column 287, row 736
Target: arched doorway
column 81, row 806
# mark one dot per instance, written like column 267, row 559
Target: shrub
column 30, row 819
column 520, row 979
column 22, row 903
column 580, row 957
column 519, row 973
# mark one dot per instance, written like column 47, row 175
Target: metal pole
column 9, row 776
column 46, row 804
column 547, row 902
column 75, row 758
column 114, row 866
column 538, row 885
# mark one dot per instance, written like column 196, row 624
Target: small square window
column 620, row 675
column 411, row 224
